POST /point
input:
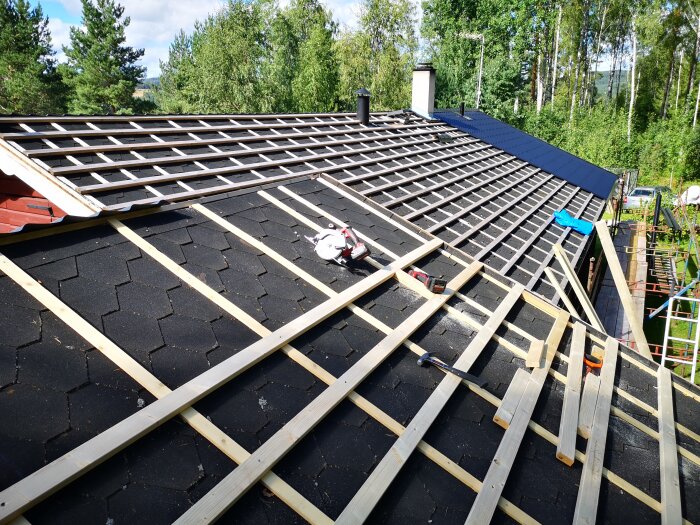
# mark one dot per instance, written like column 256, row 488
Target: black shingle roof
column 493, row 203
column 57, row 391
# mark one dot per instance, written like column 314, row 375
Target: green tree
column 218, row 68
column 102, row 71
column 29, row 82
column 315, row 85
column 302, row 56
column 380, row 55
column 174, row 93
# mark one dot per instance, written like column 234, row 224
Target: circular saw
column 341, row 246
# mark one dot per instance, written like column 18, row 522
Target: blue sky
column 154, row 23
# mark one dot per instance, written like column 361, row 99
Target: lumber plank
column 538, row 429
column 589, row 487
column 148, row 381
column 533, row 300
column 621, row 284
column 245, row 168
column 485, row 504
column 56, row 474
column 509, row 404
column 566, row 449
column 149, row 161
column 589, row 399
column 578, row 288
column 376, row 484
column 671, row 511
column 233, row 486
column 535, row 354
column 560, row 291
column 372, row 410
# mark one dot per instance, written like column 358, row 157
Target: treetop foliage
column 102, row 71
column 29, row 82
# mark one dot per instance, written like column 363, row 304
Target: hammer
column 428, row 358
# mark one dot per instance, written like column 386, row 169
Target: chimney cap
column 362, row 92
column 424, row 66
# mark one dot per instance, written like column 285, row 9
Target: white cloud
column 60, row 36
column 154, row 23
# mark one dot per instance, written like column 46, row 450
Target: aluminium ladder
column 691, row 340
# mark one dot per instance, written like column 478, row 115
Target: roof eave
column 13, row 162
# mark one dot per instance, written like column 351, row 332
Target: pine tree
column 102, row 71
column 29, row 82
column 174, row 93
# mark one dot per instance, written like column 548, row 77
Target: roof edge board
column 13, row 162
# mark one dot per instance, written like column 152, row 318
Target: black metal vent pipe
column 657, row 211
column 363, row 106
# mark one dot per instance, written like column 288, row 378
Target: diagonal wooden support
column 233, row 486
column 621, row 284
column 374, row 487
column 560, row 291
column 579, row 290
column 497, row 475
column 589, row 488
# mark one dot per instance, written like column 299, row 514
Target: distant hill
column 601, row 83
column 149, row 83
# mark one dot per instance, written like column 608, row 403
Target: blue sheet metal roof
column 533, row 150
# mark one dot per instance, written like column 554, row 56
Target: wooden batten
column 566, row 449
column 589, row 488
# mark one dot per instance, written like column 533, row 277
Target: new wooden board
column 362, row 504
column 588, row 402
column 568, row 426
column 668, row 455
column 622, row 288
column 560, row 291
column 509, row 404
column 233, row 486
column 578, row 288
column 589, row 488
column 535, row 354
column 485, row 504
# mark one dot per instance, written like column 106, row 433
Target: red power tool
column 433, row 284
